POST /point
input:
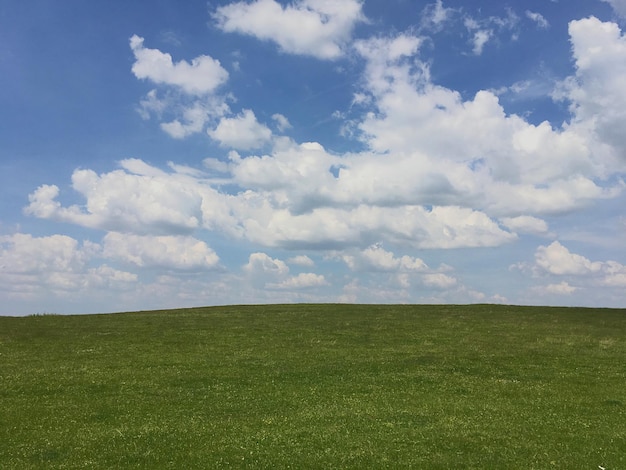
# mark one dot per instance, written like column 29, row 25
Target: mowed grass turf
column 316, row 386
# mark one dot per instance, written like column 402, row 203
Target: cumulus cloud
column 329, row 228
column 123, row 201
column 562, row 288
column 242, row 132
column 556, row 260
column 439, row 280
column 472, row 152
column 190, row 98
column 264, row 265
column 596, row 93
column 272, row 273
column 526, row 224
column 438, row 171
column 23, row 253
column 376, row 258
column 301, row 281
column 300, row 173
column 311, row 27
column 203, row 75
column 192, row 121
column 55, row 263
column 181, row 253
column 142, row 199
column 468, row 160
column 264, row 272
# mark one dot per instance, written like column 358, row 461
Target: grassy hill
column 316, row 386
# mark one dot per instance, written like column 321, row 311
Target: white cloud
column 539, row 87
column 615, row 274
column 187, row 170
column 404, row 280
column 557, row 260
column 328, row 228
column 150, row 200
column 562, row 288
column 319, row 28
column 349, row 292
column 438, row 169
column 121, row 201
column 55, row 265
column 198, row 81
column 471, row 152
column 538, row 18
column 301, row 281
column 480, row 38
column 242, row 132
column 526, row 224
column 203, row 75
column 596, row 91
column 438, row 151
column 418, row 166
column 170, row 252
column 381, row 52
column 619, row 6
column 439, row 280
column 25, row 254
column 43, row 203
column 282, row 123
column 152, row 104
column 261, row 264
column 214, row 165
column 301, row 260
column 424, row 288
column 376, row 258
column 437, row 172
column 509, row 22
column 299, row 173
column 262, row 272
column 192, row 121
column 435, row 16
column 482, row 30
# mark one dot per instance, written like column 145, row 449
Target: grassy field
column 316, row 386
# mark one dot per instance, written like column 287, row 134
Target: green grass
column 316, row 386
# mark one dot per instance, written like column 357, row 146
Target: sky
column 165, row 154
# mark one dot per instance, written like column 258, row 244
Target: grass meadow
column 316, row 387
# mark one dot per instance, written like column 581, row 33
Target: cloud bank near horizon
column 431, row 169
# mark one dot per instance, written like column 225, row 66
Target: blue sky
column 170, row 154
